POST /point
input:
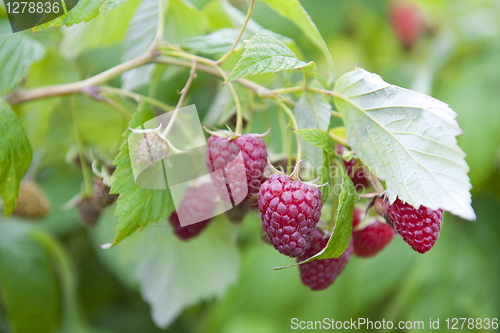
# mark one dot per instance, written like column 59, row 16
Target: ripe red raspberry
column 151, row 149
column 372, row 239
column 358, row 174
column 419, row 227
column 289, row 212
column 319, row 274
column 408, row 22
column 222, row 151
column 196, row 205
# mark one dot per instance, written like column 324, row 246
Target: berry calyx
column 319, row 274
column 371, row 238
column 419, row 227
column 223, row 148
column 290, row 210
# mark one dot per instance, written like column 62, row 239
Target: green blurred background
column 457, row 61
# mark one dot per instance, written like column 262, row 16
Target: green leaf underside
column 341, row 235
column 223, row 107
column 312, row 111
column 15, row 156
column 407, row 139
column 265, row 54
column 136, row 207
column 30, row 293
column 318, row 138
column 293, row 10
column 218, row 42
column 172, row 274
column 17, row 52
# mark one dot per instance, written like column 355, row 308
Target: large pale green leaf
column 136, row 207
column 83, row 37
column 173, row 274
column 17, row 52
column 223, row 107
column 407, row 139
column 264, row 54
column 293, row 10
column 312, row 111
column 28, row 284
column 218, row 42
column 15, row 156
column 183, row 20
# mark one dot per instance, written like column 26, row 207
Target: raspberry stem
column 293, row 122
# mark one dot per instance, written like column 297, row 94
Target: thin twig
column 293, row 121
column 181, row 99
column 242, row 30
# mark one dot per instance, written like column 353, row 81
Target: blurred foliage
column 457, row 62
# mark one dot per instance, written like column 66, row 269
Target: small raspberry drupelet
column 289, row 212
column 196, row 205
column 419, row 227
column 222, row 151
column 319, row 274
column 372, row 239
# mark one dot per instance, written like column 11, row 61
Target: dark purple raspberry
column 88, row 212
column 289, row 212
column 372, row 239
column 102, row 197
column 222, row 151
column 319, row 274
column 419, row 227
column 197, row 205
column 358, row 174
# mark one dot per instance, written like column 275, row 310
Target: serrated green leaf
column 172, row 274
column 28, row 284
column 312, row 111
column 310, row 73
column 84, row 37
column 265, row 54
column 318, row 138
column 324, row 176
column 407, row 139
column 342, row 232
column 136, row 207
column 15, row 156
column 84, row 11
column 218, row 42
column 293, row 10
column 17, row 52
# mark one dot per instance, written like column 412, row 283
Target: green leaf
column 293, row 10
column 183, row 20
column 84, row 37
column 172, row 274
column 28, row 284
column 407, row 139
column 84, row 11
column 136, row 207
column 264, row 54
column 218, row 42
column 324, row 176
column 313, row 111
column 318, row 138
column 310, row 73
column 15, row 156
column 341, row 235
column 17, row 52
